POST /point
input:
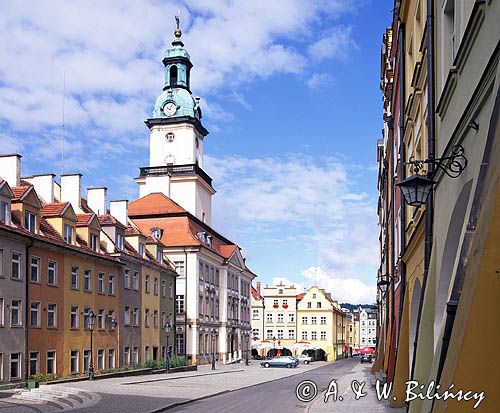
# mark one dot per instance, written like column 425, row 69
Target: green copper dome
column 176, row 99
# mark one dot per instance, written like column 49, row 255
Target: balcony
column 175, row 170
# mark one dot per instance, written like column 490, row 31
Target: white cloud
column 320, row 80
column 110, row 56
column 316, row 198
column 335, row 45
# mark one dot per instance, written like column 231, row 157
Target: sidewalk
column 346, row 402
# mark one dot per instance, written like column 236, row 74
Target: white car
column 304, row 358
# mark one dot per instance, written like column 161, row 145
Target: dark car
column 365, row 358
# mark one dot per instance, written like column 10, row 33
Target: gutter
column 431, row 139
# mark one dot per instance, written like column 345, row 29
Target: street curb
column 177, row 378
column 177, row 404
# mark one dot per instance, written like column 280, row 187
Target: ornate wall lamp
column 416, row 188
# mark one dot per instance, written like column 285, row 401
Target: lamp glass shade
column 383, row 284
column 416, row 189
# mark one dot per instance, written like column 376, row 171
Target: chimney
column 71, row 187
column 44, row 186
column 10, row 169
column 258, row 287
column 96, row 199
column 119, row 209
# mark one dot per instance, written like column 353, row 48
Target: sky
column 290, row 97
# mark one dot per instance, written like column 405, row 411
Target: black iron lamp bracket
column 452, row 165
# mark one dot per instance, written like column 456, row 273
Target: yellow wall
column 150, row 335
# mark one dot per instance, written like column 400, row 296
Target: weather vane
column 178, row 32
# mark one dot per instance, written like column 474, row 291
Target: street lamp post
column 213, row 336
column 91, row 322
column 247, row 338
column 167, row 347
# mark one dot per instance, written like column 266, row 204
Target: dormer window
column 141, row 250
column 5, row 212
column 30, row 221
column 156, row 233
column 94, row 242
column 119, row 241
column 68, row 234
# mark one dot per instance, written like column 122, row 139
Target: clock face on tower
column 169, row 109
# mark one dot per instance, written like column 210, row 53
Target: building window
column 179, row 267
column 4, row 212
column 141, row 250
column 135, row 316
column 111, row 284
column 155, row 319
column 100, row 359
column 159, row 256
column 87, row 284
column 313, row 335
column 30, row 221
column 1, row 263
column 314, row 320
column 127, row 278
column 68, row 234
column 255, row 333
column 309, row 304
column 52, row 273
column 323, row 335
column 35, row 314
column 179, row 304
column 126, row 316
column 291, row 334
column 275, row 303
column 280, row 335
column 146, row 318
column 51, row 362
column 73, row 362
column 2, row 311
column 323, row 320
column 269, row 334
column 304, row 335
column 126, row 355
column 86, row 360
column 314, row 295
column 304, row 320
column 86, row 318
column 74, row 278
column 318, row 304
column 111, row 358
column 146, row 353
column 94, row 242
column 135, row 355
column 119, row 241
column 291, row 317
column 34, row 365
column 15, row 313
column 280, row 318
column 74, row 316
column 51, row 315
column 146, row 284
column 15, row 366
column 269, row 317
column 35, row 270
column 285, row 302
column 135, row 281
column 100, row 283
column 16, row 266
column 255, row 314
column 100, row 319
column 155, row 286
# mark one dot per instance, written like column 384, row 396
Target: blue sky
column 290, row 97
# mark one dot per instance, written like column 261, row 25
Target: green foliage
column 177, row 362
column 41, row 378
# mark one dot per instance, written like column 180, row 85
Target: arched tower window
column 173, row 75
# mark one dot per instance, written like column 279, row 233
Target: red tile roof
column 53, row 209
column 131, row 231
column 227, row 250
column 153, row 204
column 108, row 219
column 83, row 220
column 18, row 192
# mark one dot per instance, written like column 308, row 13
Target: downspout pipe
column 452, row 305
column 431, row 139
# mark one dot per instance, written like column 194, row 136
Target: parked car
column 304, row 358
column 365, row 358
column 282, row 361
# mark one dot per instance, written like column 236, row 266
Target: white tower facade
column 176, row 140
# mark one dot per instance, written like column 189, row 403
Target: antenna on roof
column 62, row 128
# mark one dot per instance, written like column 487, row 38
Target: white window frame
column 35, row 268
column 52, row 268
column 54, row 312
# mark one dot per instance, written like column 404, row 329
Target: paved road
column 279, row 395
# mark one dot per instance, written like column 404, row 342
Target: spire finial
column 178, row 32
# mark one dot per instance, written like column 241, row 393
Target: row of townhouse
column 60, row 262
column 438, row 274
column 281, row 315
